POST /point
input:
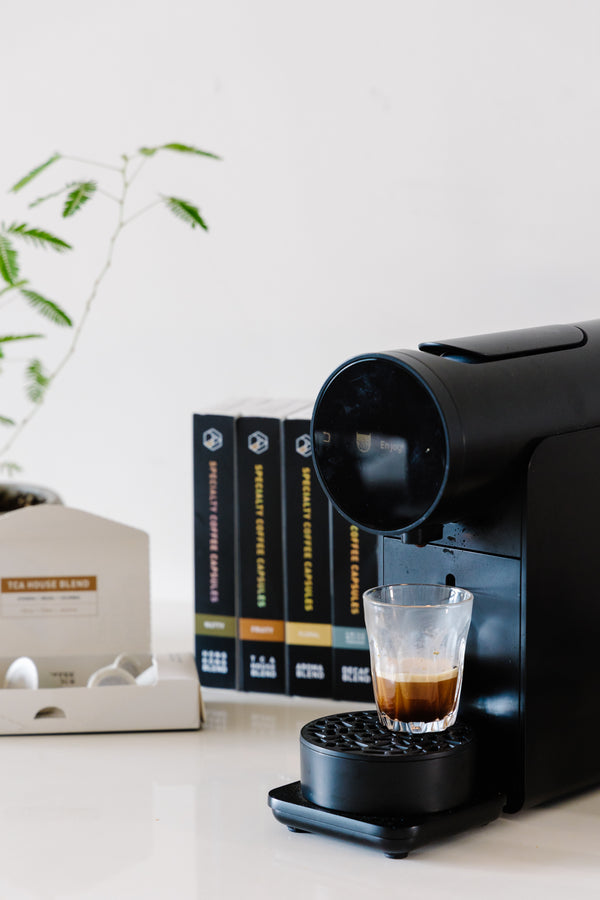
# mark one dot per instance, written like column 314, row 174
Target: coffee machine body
column 477, row 461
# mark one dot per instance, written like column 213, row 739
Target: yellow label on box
column 308, row 634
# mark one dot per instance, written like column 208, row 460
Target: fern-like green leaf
column 78, row 196
column 36, row 381
column 47, row 308
column 185, row 211
column 6, row 420
column 34, row 173
column 178, row 148
column 186, row 148
column 51, row 196
column 5, row 338
column 39, row 237
column 9, row 260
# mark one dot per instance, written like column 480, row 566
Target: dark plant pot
column 15, row 495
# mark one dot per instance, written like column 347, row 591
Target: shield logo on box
column 363, row 442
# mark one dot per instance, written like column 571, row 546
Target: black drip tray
column 351, row 763
column 396, row 836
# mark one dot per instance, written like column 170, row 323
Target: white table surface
column 185, row 815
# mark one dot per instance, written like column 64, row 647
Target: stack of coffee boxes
column 279, row 574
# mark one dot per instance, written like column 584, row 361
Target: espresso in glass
column 417, row 695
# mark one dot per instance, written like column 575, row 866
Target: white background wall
column 392, row 172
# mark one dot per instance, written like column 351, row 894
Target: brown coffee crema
column 417, row 697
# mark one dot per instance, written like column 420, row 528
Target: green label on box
column 217, row 626
column 350, row 638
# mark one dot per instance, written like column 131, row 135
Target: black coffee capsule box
column 215, row 544
column 354, row 569
column 306, row 565
column 261, row 625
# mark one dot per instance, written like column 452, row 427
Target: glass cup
column 417, row 636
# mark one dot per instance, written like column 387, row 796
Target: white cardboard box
column 74, row 594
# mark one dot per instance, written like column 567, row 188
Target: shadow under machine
column 477, row 461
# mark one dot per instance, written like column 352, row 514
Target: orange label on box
column 261, row 630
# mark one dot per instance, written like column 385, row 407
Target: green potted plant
column 70, row 198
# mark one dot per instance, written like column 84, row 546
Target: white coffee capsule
column 134, row 663
column 110, row 676
column 22, row 673
column 149, row 676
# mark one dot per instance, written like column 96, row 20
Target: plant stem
column 143, row 162
column 125, row 183
column 141, row 212
column 93, row 162
column 108, row 194
column 7, row 290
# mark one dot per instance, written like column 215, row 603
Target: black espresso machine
column 477, row 461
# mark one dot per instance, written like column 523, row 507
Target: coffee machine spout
column 424, row 534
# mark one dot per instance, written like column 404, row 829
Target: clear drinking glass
column 417, row 637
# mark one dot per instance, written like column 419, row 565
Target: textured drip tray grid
column 362, row 733
column 335, row 749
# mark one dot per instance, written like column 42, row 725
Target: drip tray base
column 396, row 836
